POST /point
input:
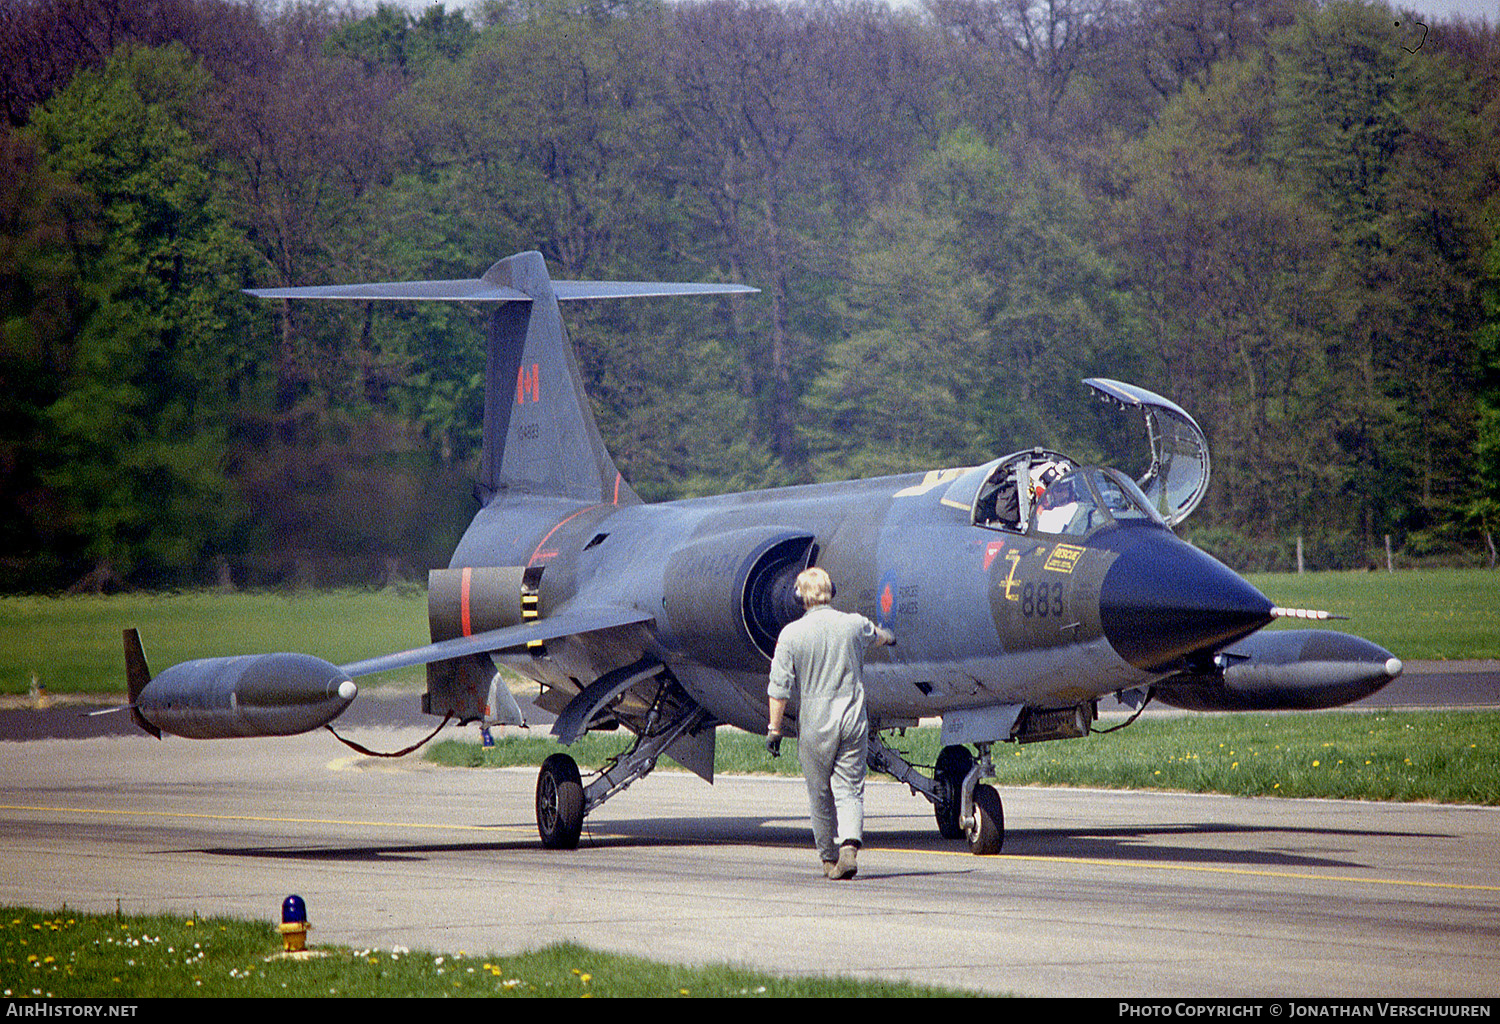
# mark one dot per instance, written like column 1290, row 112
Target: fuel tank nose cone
column 1163, row 600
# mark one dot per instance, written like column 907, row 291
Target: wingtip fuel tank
column 1284, row 670
column 251, row 695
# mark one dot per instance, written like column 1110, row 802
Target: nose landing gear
column 964, row 809
column 985, row 827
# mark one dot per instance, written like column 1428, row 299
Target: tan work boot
column 846, row 866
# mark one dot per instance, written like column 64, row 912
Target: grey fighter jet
column 1021, row 592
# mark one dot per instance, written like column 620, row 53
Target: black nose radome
column 1163, row 600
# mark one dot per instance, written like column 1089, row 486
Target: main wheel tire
column 559, row 803
column 953, row 764
column 988, row 833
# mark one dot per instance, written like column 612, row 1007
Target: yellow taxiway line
column 1002, row 858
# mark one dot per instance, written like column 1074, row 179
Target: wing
column 563, row 623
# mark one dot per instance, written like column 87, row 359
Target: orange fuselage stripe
column 463, row 603
column 559, row 526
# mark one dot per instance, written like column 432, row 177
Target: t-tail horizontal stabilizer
column 539, row 432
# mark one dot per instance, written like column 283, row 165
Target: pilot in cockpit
column 1007, row 506
column 1000, row 502
column 1057, row 505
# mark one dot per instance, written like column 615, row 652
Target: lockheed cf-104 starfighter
column 1021, row 592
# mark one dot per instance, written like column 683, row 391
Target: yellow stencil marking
column 933, row 478
column 1064, row 558
column 1014, row 558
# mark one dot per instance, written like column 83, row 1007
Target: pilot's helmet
column 1043, row 476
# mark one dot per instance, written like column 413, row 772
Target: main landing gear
column 562, row 800
column 964, row 808
column 559, row 803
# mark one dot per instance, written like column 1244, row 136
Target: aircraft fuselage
column 982, row 616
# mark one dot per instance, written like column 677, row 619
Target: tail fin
column 539, row 432
column 137, row 675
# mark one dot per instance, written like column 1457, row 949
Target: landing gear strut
column 982, row 816
column 562, row 800
column 964, row 809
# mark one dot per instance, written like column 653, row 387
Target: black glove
column 773, row 743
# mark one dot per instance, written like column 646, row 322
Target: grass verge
column 1440, row 756
column 72, row 644
column 64, row 954
column 1416, row 614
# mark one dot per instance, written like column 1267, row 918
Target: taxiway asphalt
column 1096, row 894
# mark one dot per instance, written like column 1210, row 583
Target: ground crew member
column 821, row 658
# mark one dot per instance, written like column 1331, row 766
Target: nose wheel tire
column 559, row 803
column 988, row 833
column 953, row 764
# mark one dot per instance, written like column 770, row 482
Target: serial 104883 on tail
column 1020, row 591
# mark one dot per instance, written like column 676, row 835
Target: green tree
column 980, row 301
column 43, row 220
column 300, row 139
column 1483, row 506
column 786, row 123
column 1232, row 292
column 895, row 393
column 138, row 430
column 1383, row 140
column 392, row 38
column 542, row 136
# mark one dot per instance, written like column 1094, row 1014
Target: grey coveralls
column 821, row 656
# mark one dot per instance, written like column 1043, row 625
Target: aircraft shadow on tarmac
column 646, row 832
column 1135, row 843
column 1143, row 843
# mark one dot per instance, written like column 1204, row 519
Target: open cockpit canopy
column 1049, row 492
column 1177, row 478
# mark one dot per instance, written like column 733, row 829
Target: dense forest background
column 1283, row 214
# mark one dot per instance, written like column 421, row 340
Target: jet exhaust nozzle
column 252, row 695
column 1285, row 670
